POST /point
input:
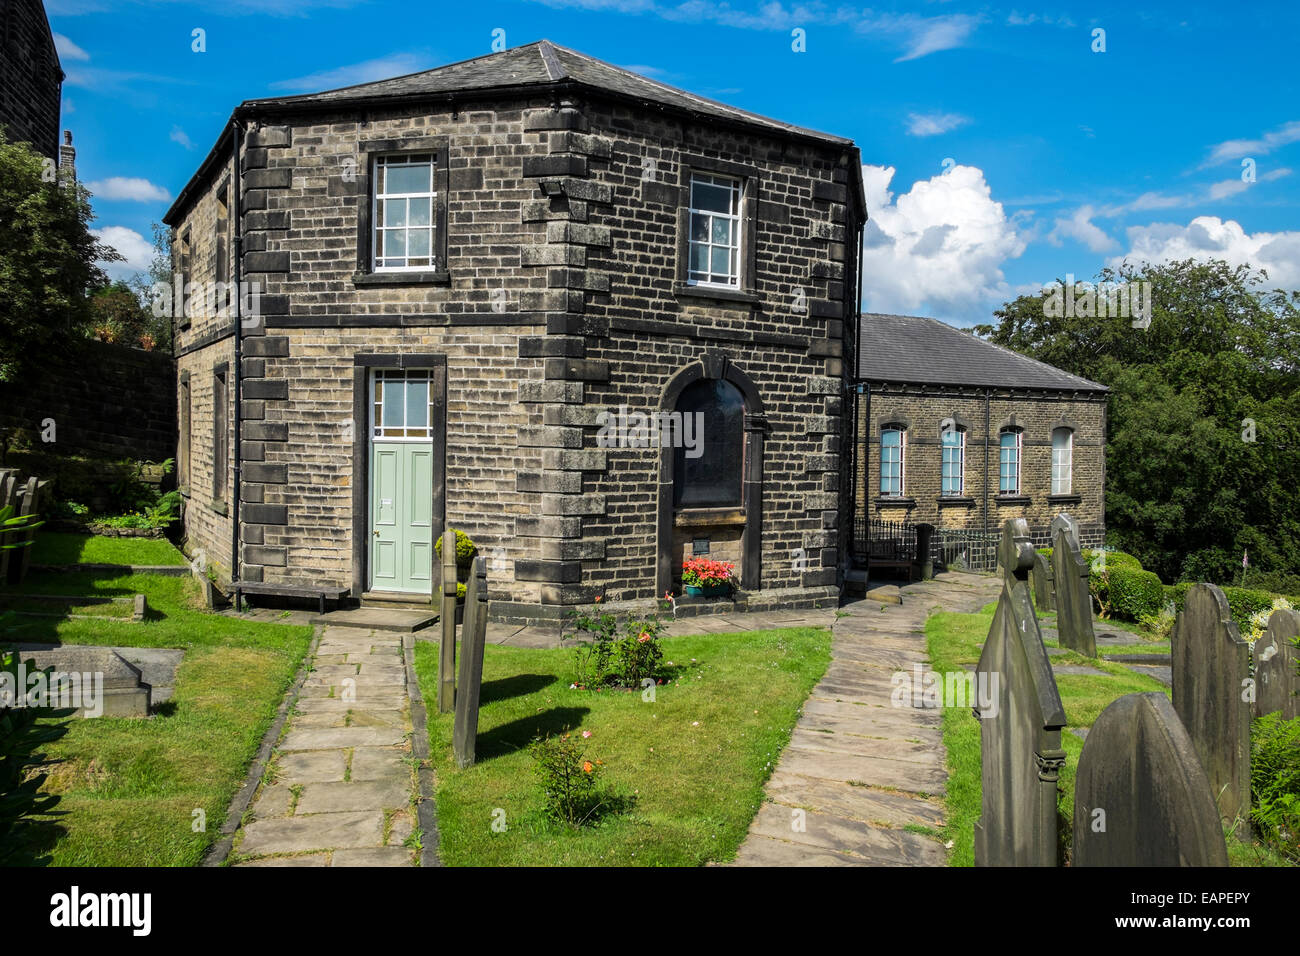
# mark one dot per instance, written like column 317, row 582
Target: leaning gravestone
column 473, row 636
column 1070, row 588
column 29, row 506
column 1020, row 734
column 8, row 499
column 1041, row 576
column 1141, row 796
column 1277, row 680
column 1212, row 695
column 447, row 649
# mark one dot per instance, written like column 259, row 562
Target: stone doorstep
column 378, row 619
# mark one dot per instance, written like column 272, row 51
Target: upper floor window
column 405, row 212
column 952, row 467
column 1009, row 461
column 712, row 478
column 715, row 222
column 221, row 245
column 1062, row 460
column 892, row 447
column 183, row 267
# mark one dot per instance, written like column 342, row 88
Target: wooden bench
column 321, row 592
column 889, row 553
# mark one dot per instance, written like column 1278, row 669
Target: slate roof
column 540, row 64
column 531, row 69
column 910, row 349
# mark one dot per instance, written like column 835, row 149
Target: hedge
column 1129, row 593
column 1244, row 603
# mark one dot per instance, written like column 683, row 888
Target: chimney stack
column 67, row 158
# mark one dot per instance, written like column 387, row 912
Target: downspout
column 236, row 275
column 988, row 393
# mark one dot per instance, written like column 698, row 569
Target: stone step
column 402, row 620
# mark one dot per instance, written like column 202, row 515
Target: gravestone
column 1141, row 796
column 1070, row 588
column 30, row 504
column 473, row 636
column 447, row 650
column 8, row 498
column 115, row 686
column 1020, row 736
column 1041, row 576
column 1277, row 684
column 1212, row 695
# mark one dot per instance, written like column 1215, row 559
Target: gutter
column 237, row 134
column 988, row 423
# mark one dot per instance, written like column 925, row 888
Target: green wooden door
column 401, row 485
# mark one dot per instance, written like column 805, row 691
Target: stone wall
column 559, row 301
column 106, row 401
column 31, row 80
column 922, row 411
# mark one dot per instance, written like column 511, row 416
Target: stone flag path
column 341, row 790
column 857, row 770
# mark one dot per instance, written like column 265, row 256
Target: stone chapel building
column 959, row 433
column 597, row 323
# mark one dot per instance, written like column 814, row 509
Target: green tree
column 1203, row 440
column 48, row 258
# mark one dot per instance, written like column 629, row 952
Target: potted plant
column 704, row 578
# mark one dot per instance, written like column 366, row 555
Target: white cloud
column 938, row 247
column 1209, row 237
column 932, row 34
column 932, row 124
column 1238, row 149
column 383, row 68
column 179, row 135
column 137, row 251
column 129, row 188
column 69, row 50
column 1081, row 228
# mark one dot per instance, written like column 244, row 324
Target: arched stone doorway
column 716, row 495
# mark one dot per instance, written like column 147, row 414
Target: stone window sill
column 892, row 501
column 1011, row 499
column 964, row 501
column 708, row 517
column 427, row 277
column 221, row 508
column 738, row 296
column 1065, row 499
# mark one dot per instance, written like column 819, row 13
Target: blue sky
column 1000, row 150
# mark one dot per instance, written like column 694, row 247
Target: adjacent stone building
column 31, row 80
column 598, row 323
column 957, row 432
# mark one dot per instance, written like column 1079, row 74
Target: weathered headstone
column 447, row 650
column 1020, row 734
column 1213, row 695
column 20, row 558
column 8, row 499
column 473, row 635
column 1041, row 576
column 1070, row 588
column 1141, row 796
column 96, row 681
column 1277, row 682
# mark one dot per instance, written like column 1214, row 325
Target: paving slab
column 354, row 795
column 307, row 859
column 325, row 831
column 858, row 769
column 315, row 766
column 376, row 856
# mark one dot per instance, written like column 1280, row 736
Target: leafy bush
column 1160, row 624
column 465, row 550
column 613, row 654
column 569, row 780
column 1127, row 594
column 1244, row 603
column 1275, row 781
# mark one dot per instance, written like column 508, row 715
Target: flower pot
column 708, row 590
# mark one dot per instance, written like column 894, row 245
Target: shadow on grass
column 518, row 734
column 518, row 686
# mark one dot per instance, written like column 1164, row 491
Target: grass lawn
column 694, row 761
column 130, row 786
column 954, row 643
column 59, row 548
